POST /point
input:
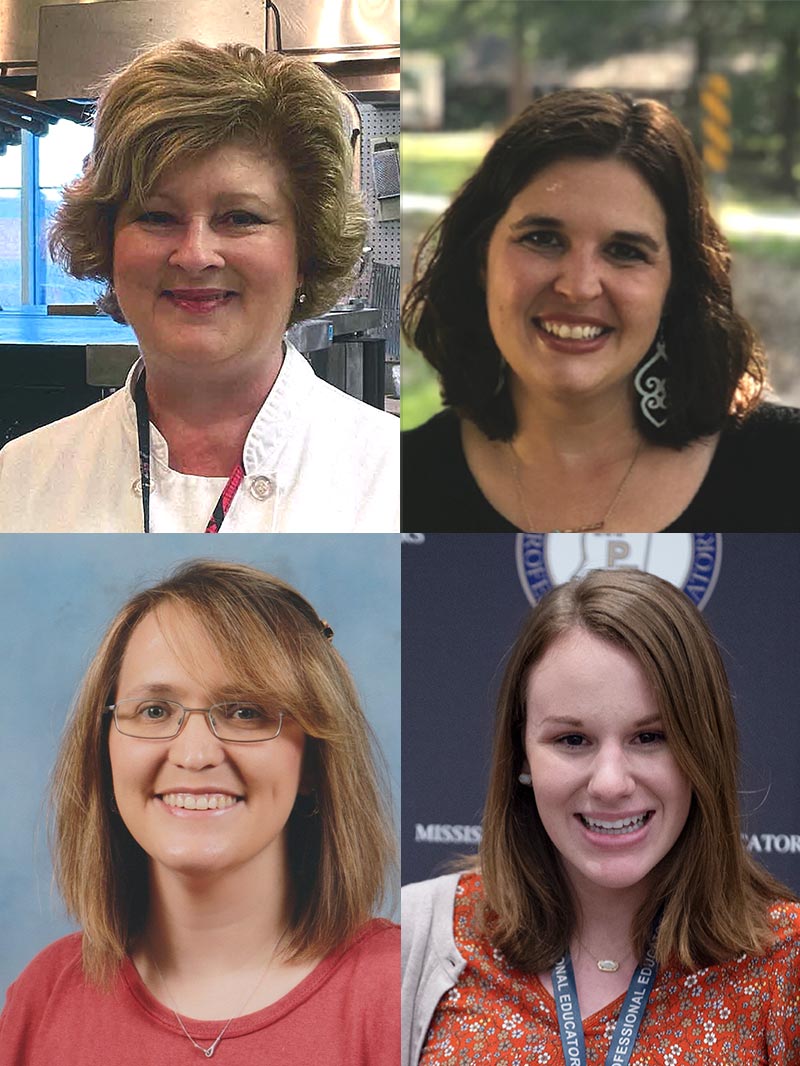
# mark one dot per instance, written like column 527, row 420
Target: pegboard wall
column 380, row 282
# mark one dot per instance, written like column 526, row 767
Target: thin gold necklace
column 515, row 463
column 209, row 1051
column 605, row 965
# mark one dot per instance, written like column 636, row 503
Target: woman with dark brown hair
column 614, row 914
column 222, row 839
column 575, row 301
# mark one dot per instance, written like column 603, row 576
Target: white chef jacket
column 316, row 461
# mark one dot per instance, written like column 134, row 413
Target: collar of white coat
column 269, row 439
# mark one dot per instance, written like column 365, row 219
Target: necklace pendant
column 581, row 529
column 607, row 965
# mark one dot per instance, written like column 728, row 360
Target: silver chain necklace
column 209, row 1051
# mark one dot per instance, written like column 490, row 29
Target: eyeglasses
column 157, row 719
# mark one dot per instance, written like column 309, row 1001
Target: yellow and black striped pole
column 715, row 98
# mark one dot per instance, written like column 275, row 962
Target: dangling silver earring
column 525, row 779
column 652, row 389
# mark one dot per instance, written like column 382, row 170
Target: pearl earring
column 525, row 779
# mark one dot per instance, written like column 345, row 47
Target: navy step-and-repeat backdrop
column 464, row 599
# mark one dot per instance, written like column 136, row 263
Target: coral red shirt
column 741, row 1013
column 346, row 1012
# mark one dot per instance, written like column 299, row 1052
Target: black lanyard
column 143, row 431
column 630, row 1018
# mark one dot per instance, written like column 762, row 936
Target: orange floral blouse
column 740, row 1013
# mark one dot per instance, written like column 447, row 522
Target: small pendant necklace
column 593, row 527
column 209, row 1051
column 604, row 965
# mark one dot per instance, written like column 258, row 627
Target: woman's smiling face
column 577, row 274
column 608, row 789
column 170, row 655
column 206, row 271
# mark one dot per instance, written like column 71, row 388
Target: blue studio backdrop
column 464, row 599
column 60, row 592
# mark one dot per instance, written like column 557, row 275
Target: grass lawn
column 784, row 250
column 438, row 163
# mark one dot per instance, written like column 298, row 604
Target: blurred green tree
column 758, row 41
column 583, row 30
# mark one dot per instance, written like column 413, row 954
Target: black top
column 752, row 484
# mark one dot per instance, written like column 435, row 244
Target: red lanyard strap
column 225, row 500
column 143, row 433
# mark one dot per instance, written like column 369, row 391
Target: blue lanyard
column 630, row 1018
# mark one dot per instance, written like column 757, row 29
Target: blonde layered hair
column 713, row 896
column 182, row 99
column 272, row 642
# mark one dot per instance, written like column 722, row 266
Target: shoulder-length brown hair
column 714, row 896
column 182, row 99
column 272, row 641
column 715, row 363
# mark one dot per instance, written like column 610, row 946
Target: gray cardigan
column 431, row 961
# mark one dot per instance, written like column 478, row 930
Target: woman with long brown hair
column 221, row 838
column 613, row 914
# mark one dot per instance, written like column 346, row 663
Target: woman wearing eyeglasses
column 222, row 841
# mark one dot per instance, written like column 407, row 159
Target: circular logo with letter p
column 691, row 561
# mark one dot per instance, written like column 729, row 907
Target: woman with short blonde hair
column 181, row 100
column 218, row 207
